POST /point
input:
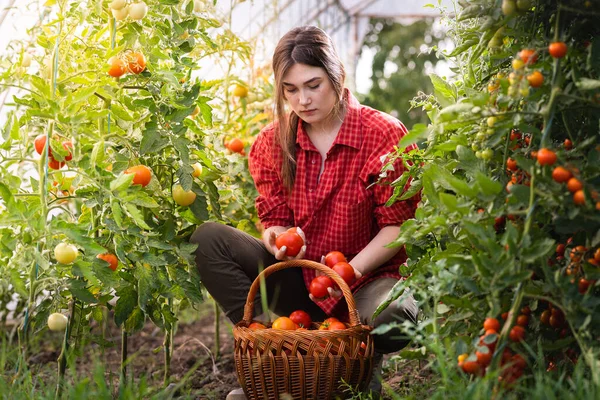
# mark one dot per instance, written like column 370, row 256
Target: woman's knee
column 206, row 232
column 397, row 313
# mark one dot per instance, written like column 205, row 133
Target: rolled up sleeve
column 271, row 203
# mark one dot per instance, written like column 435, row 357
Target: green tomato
column 523, row 5
column 65, row 253
column 508, row 7
column 57, row 322
column 182, row 197
column 487, row 154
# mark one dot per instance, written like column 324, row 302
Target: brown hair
column 311, row 46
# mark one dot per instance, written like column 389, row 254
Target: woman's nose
column 304, row 98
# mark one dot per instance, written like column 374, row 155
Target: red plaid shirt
column 336, row 211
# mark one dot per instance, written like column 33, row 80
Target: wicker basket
column 302, row 364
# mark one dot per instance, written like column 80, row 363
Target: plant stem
column 123, row 377
column 62, row 358
column 217, row 350
column 168, row 348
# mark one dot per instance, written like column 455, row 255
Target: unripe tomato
column 292, row 241
column 517, row 333
column 111, row 259
column 136, row 62
column 240, row 91
column 462, row 357
column 182, row 197
column 57, row 322
column 523, row 5
column 529, row 56
column 301, row 318
column 546, row 157
column 319, row 285
column 117, row 4
column 284, row 323
column 142, row 174
column 517, row 64
column 487, row 154
column 197, row 170
column 491, row 323
column 65, row 253
column 235, row 145
column 195, row 112
column 535, row 79
column 508, row 7
column 137, row 11
column 26, row 60
column 346, row 271
column 121, row 14
column 117, row 67
column 557, row 49
column 561, row 175
column 334, row 257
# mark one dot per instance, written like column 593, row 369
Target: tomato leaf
column 78, row 288
column 136, row 320
column 539, row 248
column 136, row 215
column 122, row 182
column 126, row 302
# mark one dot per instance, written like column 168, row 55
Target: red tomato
column 529, row 56
column 318, row 287
column 558, row 49
column 52, row 163
column 292, row 241
column 470, row 367
column 561, row 175
column 136, row 62
column 491, row 323
column 301, row 318
column 40, row 143
column 517, row 333
column 235, row 145
column 346, row 271
column 111, row 259
column 284, row 323
column 334, row 257
column 535, row 79
column 143, row 175
column 256, row 325
column 546, row 157
column 484, row 358
column 117, row 67
column 327, row 323
column 336, row 326
column 68, row 146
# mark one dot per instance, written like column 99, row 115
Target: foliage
column 166, row 118
column 495, row 238
column 400, row 66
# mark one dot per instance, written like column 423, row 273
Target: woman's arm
column 375, row 254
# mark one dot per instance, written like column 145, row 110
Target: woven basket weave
column 302, row 364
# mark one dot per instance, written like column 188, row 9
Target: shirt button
column 308, row 242
column 314, row 162
column 310, row 190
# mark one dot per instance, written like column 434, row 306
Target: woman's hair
column 311, row 46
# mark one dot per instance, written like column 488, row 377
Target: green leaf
column 588, row 84
column 120, row 112
column 538, row 249
column 97, row 153
column 136, row 320
column 136, row 215
column 141, row 199
column 79, row 290
column 487, row 185
column 397, row 291
column 445, row 93
column 126, row 302
column 122, row 182
column 146, row 284
column 416, row 134
column 117, row 212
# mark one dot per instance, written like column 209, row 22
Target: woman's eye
column 314, row 87
column 290, row 90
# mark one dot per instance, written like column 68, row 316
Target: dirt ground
column 209, row 377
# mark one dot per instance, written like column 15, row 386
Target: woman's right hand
column 269, row 237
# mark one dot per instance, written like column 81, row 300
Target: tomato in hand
column 143, row 175
column 301, row 318
column 334, row 257
column 346, row 271
column 318, row 287
column 291, row 240
column 284, row 323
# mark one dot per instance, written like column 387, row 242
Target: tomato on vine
column 136, row 62
column 117, row 67
column 546, row 157
column 535, row 79
column 142, row 174
column 528, row 56
column 111, row 259
column 557, row 49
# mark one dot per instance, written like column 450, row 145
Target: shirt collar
column 350, row 132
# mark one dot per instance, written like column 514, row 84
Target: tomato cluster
column 300, row 320
column 319, row 287
column 40, row 144
column 130, row 61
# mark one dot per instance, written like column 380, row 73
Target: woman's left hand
column 336, row 292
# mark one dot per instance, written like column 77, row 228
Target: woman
column 315, row 168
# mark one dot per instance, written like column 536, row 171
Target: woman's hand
column 337, row 292
column 269, row 237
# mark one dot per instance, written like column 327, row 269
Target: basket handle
column 352, row 311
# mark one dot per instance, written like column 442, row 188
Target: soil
column 201, row 373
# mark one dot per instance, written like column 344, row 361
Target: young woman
column 315, row 169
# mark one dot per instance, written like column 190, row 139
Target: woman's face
column 309, row 93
